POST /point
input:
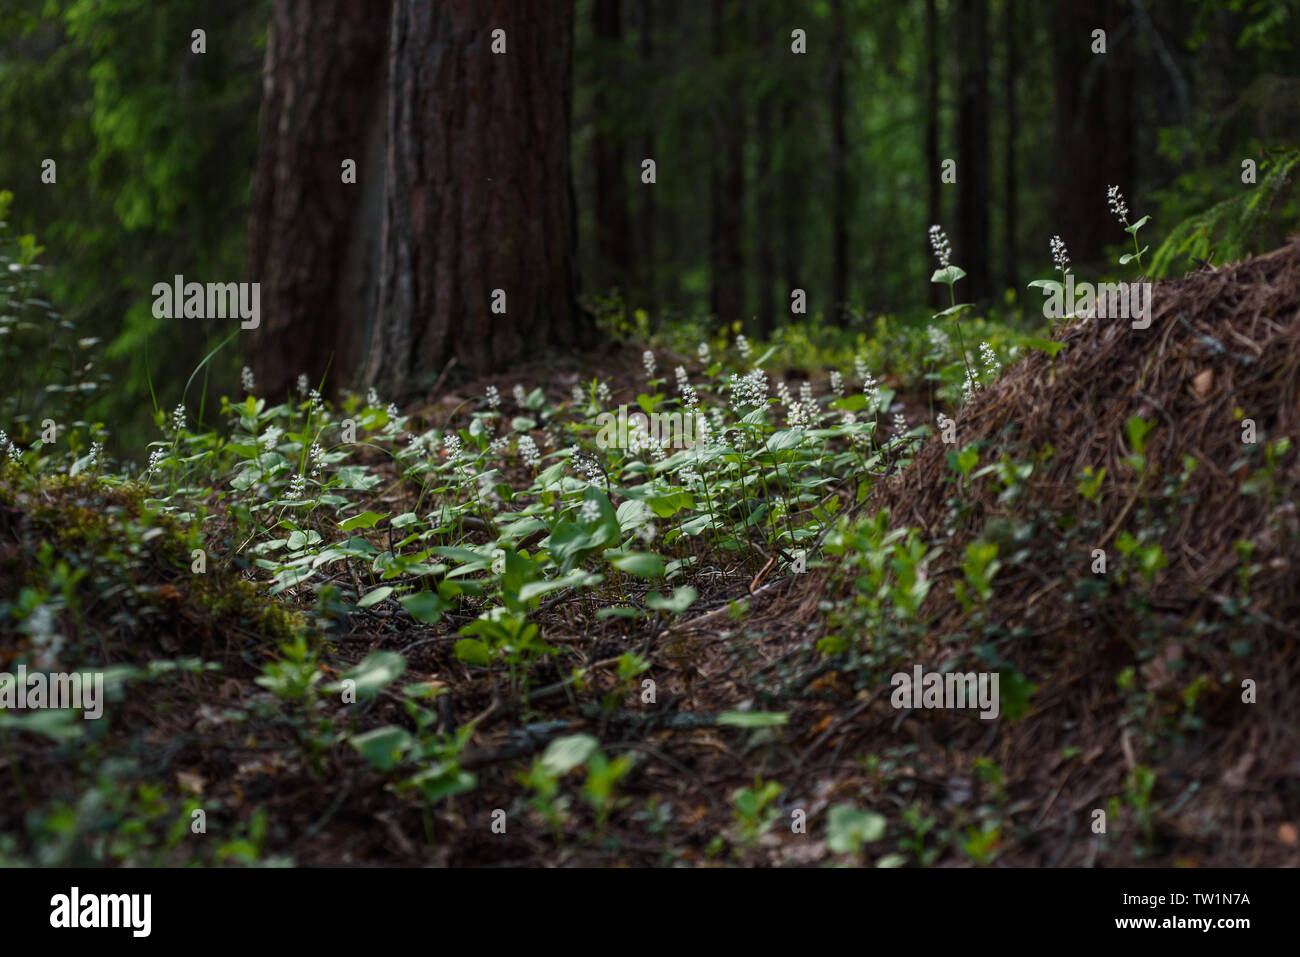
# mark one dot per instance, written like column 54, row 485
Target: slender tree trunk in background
column 1010, row 213
column 839, row 172
column 609, row 159
column 727, row 180
column 972, row 247
column 479, row 196
column 646, row 251
column 762, row 191
column 314, row 239
column 793, row 202
column 934, row 207
column 1083, row 125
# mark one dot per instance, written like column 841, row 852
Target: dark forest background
column 774, row 170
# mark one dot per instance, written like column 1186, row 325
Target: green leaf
column 564, row 754
column 678, row 603
column 472, row 651
column 364, row 520
column 949, row 275
column 378, row 670
column 753, row 719
column 1050, row 346
column 1050, row 284
column 784, row 439
column 1134, row 227
column 666, row 506
column 848, row 828
column 425, row 606
column 644, row 564
column 376, row 596
column 383, row 747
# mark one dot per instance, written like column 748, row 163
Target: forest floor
column 1149, row 711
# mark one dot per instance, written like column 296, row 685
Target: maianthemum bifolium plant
column 473, row 530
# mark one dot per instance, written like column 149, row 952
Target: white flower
column 303, row 384
column 682, row 379
column 579, row 397
column 938, row 339
column 393, row 413
column 871, row 389
column 860, row 367
column 690, row 478
column 900, row 425
column 970, row 385
column 246, row 378
column 1059, row 254
column 317, row 403
column 372, row 398
column 96, row 450
column 991, row 364
column 451, row 445
column 298, row 487
column 15, row 453
column 744, row 348
column 521, row 397
column 603, row 395
column 1115, row 199
column 590, row 511
column 155, row 460
column 703, row 352
column 317, row 456
column 749, row 390
column 178, row 417
column 648, row 360
column 497, row 446
column 585, row 464
column 837, row 383
column 646, row 533
column 528, row 451
column 494, row 397
column 939, row 243
column 271, row 438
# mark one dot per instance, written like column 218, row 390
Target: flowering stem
column 952, row 298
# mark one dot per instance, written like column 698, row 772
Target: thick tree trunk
column 609, row 158
column 479, row 196
column 839, row 171
column 314, row 238
column 727, row 182
column 972, row 248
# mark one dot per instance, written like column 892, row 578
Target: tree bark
column 1010, row 182
column 839, row 172
column 727, row 181
column 972, row 248
column 609, row 158
column 313, row 238
column 645, row 242
column 479, row 196
column 1091, row 138
column 934, row 206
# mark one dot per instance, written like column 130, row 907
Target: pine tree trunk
column 839, row 172
column 314, row 238
column 727, row 182
column 609, row 159
column 479, row 196
column 972, row 248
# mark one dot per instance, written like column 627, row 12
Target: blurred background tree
column 775, row 170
